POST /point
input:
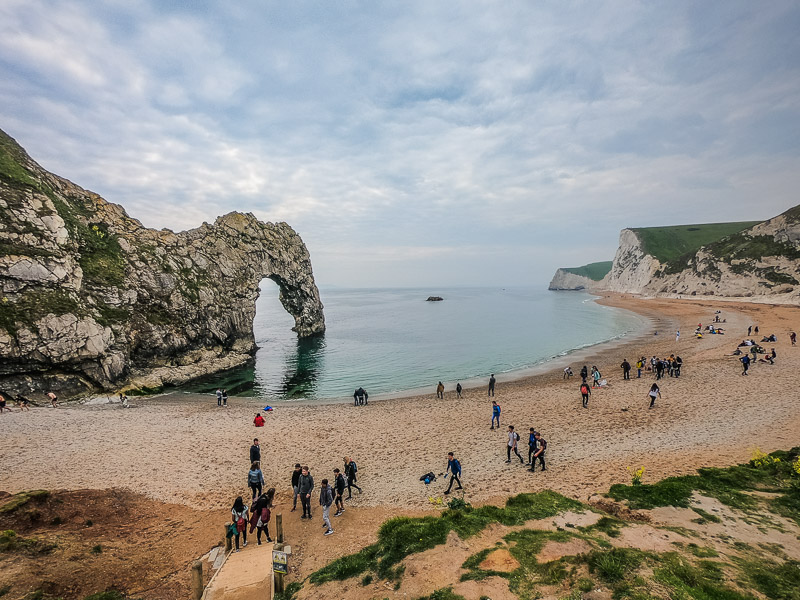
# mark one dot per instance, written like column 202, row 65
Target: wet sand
column 187, row 450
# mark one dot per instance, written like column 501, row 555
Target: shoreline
column 196, row 454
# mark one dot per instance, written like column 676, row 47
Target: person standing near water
column 653, row 393
column 495, row 414
column 513, row 438
column 440, row 390
column 492, row 381
column 219, row 397
column 224, row 397
column 458, row 390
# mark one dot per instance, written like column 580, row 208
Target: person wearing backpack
column 260, row 514
column 350, row 470
column 513, row 438
column 454, row 467
column 539, row 454
column 585, row 393
column 325, row 501
column 239, row 519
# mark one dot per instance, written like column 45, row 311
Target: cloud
column 484, row 142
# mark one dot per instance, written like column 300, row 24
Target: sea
column 393, row 342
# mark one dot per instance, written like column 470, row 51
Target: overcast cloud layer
column 415, row 143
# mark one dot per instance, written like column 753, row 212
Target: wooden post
column 228, row 540
column 278, row 577
column 197, row 580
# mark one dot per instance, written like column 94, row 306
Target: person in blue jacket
column 495, row 414
column 454, row 467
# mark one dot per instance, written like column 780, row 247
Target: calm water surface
column 392, row 340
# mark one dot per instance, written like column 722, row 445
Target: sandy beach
column 187, row 450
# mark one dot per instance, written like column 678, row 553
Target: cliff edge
column 91, row 300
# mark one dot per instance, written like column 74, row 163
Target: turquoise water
column 392, row 340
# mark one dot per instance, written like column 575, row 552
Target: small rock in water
column 434, row 299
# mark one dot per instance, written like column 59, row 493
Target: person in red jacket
column 258, row 421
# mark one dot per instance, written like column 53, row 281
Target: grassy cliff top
column 668, row 243
column 594, row 271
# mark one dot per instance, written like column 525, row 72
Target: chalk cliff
column 564, row 280
column 92, row 300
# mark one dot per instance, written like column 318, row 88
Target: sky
column 415, row 144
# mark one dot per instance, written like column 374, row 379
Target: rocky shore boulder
column 91, row 300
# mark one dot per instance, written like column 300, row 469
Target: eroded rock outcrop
column 90, row 299
column 564, row 280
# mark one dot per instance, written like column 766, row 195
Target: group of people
column 20, row 402
column 302, row 482
column 222, row 397
column 537, row 446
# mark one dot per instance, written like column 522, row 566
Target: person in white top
column 513, row 438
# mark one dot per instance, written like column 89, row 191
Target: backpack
column 353, row 466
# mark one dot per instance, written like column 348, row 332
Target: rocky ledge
column 92, row 300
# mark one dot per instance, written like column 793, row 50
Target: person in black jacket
column 295, row 480
column 539, row 454
column 255, row 452
column 350, row 470
column 338, row 485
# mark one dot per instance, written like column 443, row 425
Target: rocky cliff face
column 564, row 280
column 92, row 300
column 632, row 269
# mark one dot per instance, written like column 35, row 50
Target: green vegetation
column 11, row 542
column 702, row 551
column 594, row 271
column 399, row 537
column 608, row 525
column 34, row 305
column 17, row 501
column 111, row 315
column 775, row 581
column 12, row 156
column 614, row 565
column 443, row 594
column 705, row 516
column 102, row 260
column 97, row 549
column 670, row 243
column 703, row 582
column 289, row 592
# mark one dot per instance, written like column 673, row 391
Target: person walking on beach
column 567, row 372
column 539, row 454
column 626, row 369
column 454, row 468
column 255, row 453
column 53, row 399
column 745, row 364
column 458, row 390
column 653, row 393
column 678, row 365
column 305, row 485
column 350, row 470
column 755, row 329
column 513, row 438
column 584, row 373
column 338, row 487
column 531, row 445
column 255, row 479
column 793, row 338
column 659, row 368
column 495, row 414
column 749, row 330
column 596, row 377
column 677, row 335
column 298, row 470
column 239, row 519
column 639, row 367
column 219, row 397
column 325, row 501
column 440, row 390
column 492, row 381
column 585, row 393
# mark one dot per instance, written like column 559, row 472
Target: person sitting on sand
column 259, row 420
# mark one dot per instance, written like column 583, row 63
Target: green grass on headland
column 594, row 271
column 399, row 537
column 669, row 243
